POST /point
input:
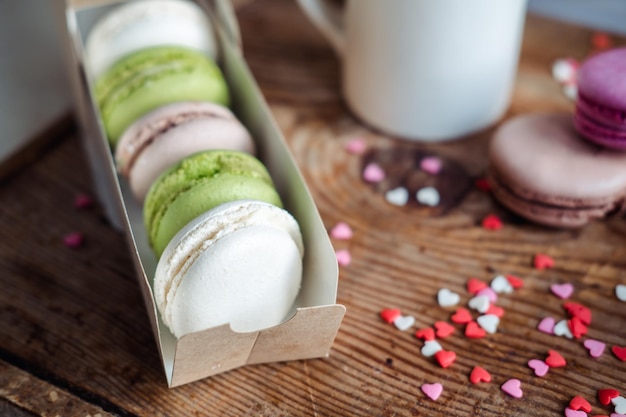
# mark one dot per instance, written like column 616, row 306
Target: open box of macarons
column 233, row 260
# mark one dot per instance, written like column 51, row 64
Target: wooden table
column 74, row 335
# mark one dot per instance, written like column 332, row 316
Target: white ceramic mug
column 427, row 70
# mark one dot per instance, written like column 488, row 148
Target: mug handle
column 327, row 16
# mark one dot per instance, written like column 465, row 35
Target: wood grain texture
column 74, row 321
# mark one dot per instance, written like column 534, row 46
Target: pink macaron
column 172, row 132
column 601, row 104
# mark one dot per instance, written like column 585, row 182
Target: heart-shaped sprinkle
column 494, row 310
column 546, row 325
column 431, row 165
column 356, row 146
column 489, row 322
column 83, row 201
column 605, row 395
column 373, row 173
column 595, row 347
column 620, row 404
column 578, row 310
column 343, row 257
column 341, row 231
column 428, row 196
column 447, row 298
column 491, row 294
column 555, row 360
column 478, row 375
column 562, row 290
column 430, row 348
column 491, row 222
column 579, row 403
column 542, row 261
column 577, row 327
column 501, row 285
column 513, row 387
column 461, row 316
column 479, row 303
column 570, row 91
column 432, row 391
column 540, row 367
column 445, row 358
column 574, row 413
column 564, row 70
column 404, row 322
column 74, row 240
column 474, row 285
column 615, row 415
column 620, row 292
column 398, row 196
column 390, row 314
column 425, row 334
column 483, row 184
column 474, row 331
column 444, row 329
column 515, row 282
column 562, row 329
column 619, row 352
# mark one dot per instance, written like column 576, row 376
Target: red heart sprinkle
column 579, row 403
column 483, row 184
column 492, row 222
column 515, row 282
column 495, row 310
column 474, row 331
column 444, row 329
column 479, row 374
column 577, row 327
column 474, row 285
column 390, row 314
column 445, row 358
column 425, row 334
column 555, row 360
column 542, row 261
column 620, row 352
column 578, row 310
column 461, row 316
column 73, row 240
column 605, row 395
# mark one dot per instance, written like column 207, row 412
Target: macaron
column 239, row 264
column 542, row 170
column 172, row 132
column 601, row 103
column 199, row 183
column 144, row 24
column 151, row 78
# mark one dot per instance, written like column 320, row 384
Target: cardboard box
column 311, row 329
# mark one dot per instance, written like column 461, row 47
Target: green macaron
column 152, row 77
column 199, row 183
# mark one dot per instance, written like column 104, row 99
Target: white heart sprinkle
column 428, row 196
column 562, row 329
column 479, row 303
column 570, row 91
column 620, row 292
column 501, row 285
column 489, row 322
column 398, row 196
column 404, row 322
column 619, row 403
column 563, row 70
column 430, row 348
column 447, row 298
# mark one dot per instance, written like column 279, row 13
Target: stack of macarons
column 562, row 170
column 228, row 252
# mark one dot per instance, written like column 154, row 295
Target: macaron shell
column 601, row 79
column 142, row 24
column 601, row 134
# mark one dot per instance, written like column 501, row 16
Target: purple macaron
column 601, row 105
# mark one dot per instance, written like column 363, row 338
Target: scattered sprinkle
column 489, row 322
column 577, row 327
column 428, row 196
column 445, row 358
column 447, row 298
column 562, row 329
column 579, row 403
column 483, row 185
column 546, row 325
column 74, row 240
column 478, row 375
column 474, row 331
column 373, row 173
column 398, row 196
column 601, row 40
column 444, row 329
column 564, row 70
column 432, row 391
column 491, row 294
column 430, row 348
column 404, row 322
column 515, row 282
column 341, row 231
column 595, row 347
column 501, row 284
column 83, row 201
column 390, row 314
column 619, row 352
column 578, row 310
column 542, row 261
column 620, row 404
column 605, row 395
column 562, row 291
column 513, row 387
column 474, row 285
column 356, row 146
column 343, row 257
column 425, row 334
column 461, row 316
column 555, row 360
column 479, row 303
column 539, row 367
column 574, row 413
column 570, row 91
column 491, row 222
column 431, row 165
column 620, row 292
column 494, row 310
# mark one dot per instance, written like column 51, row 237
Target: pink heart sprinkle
column 574, row 413
column 432, row 391
column 373, row 173
column 356, row 146
column 595, row 347
column 431, row 165
column 513, row 388
column 343, row 257
column 341, row 231
column 617, row 415
column 547, row 325
column 491, row 294
column 540, row 367
column 83, row 201
column 73, row 240
column 562, row 290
